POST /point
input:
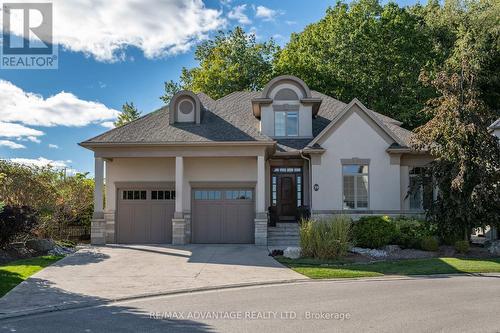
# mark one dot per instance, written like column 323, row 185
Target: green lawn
column 17, row 271
column 317, row 269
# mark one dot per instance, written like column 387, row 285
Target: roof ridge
column 395, row 121
column 130, row 122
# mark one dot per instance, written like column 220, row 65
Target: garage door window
column 239, row 195
column 208, row 195
column 134, row 195
column 163, row 195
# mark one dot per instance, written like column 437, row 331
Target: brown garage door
column 223, row 216
column 145, row 215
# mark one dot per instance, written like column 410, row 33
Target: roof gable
column 356, row 106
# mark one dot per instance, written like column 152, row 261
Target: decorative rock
column 391, row 248
column 40, row 245
column 292, row 252
column 495, row 248
column 61, row 251
column 374, row 253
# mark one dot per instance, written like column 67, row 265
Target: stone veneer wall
column 98, row 231
column 187, row 219
column 261, row 229
column 109, row 217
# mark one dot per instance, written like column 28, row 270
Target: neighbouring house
column 492, row 233
column 495, row 128
column 236, row 169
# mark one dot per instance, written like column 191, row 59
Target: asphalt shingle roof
column 496, row 124
column 229, row 118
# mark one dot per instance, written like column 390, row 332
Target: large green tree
column 128, row 114
column 229, row 62
column 467, row 165
column 368, row 51
column 458, row 27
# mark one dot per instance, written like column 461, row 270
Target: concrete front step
column 283, row 235
column 296, row 234
column 283, row 245
column 285, row 225
column 283, row 230
column 283, row 239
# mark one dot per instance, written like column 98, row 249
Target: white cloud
column 11, row 144
column 41, row 161
column 63, row 109
column 267, row 14
column 238, row 14
column 53, row 146
column 108, row 124
column 103, row 29
column 30, row 138
column 12, row 130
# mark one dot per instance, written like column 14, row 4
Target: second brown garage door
column 145, row 215
column 223, row 216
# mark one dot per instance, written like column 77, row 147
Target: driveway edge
column 82, row 305
column 88, row 304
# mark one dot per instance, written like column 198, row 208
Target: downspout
column 310, row 179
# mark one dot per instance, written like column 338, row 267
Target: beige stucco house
column 225, row 171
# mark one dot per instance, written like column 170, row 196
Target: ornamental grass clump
column 326, row 238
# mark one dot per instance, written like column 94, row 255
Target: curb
column 90, row 304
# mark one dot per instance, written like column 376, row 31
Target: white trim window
column 355, row 186
column 286, row 123
column 420, row 189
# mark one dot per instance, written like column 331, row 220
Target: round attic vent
column 186, row 106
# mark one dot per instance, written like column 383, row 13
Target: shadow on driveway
column 100, row 274
column 120, row 317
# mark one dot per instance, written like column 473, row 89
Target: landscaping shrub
column 410, row 232
column 450, row 237
column 59, row 200
column 374, row 231
column 429, row 243
column 15, row 221
column 325, row 239
column 462, row 246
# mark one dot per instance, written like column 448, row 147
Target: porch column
column 260, row 203
column 98, row 224
column 178, row 222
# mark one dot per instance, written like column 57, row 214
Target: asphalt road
column 443, row 304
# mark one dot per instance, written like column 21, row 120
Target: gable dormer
column 185, row 107
column 286, row 108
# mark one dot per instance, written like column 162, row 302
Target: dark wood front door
column 287, row 201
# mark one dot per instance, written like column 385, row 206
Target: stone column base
column 98, row 231
column 179, row 231
column 109, row 216
column 260, row 229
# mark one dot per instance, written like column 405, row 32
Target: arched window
column 286, row 94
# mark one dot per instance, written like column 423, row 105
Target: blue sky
column 45, row 113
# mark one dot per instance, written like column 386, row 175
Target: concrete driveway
column 101, row 274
